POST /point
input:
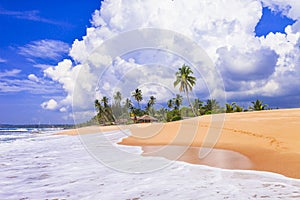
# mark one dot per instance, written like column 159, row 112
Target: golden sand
column 269, row 139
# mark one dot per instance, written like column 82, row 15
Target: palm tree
column 170, row 104
column 137, row 94
column 104, row 100
column 107, row 109
column 211, row 105
column 116, row 107
column 177, row 101
column 237, row 108
column 152, row 101
column 197, row 106
column 229, row 108
column 186, row 80
column 99, row 109
column 161, row 114
column 128, row 104
column 150, row 104
column 97, row 105
column 118, row 98
column 258, row 105
column 233, row 107
column 147, row 108
column 101, row 112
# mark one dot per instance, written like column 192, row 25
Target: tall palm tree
column 177, row 101
column 107, row 109
column 137, row 95
column 148, row 108
column 152, row 101
column 258, row 105
column 104, row 100
column 98, row 108
column 101, row 113
column 186, row 80
column 128, row 104
column 150, row 104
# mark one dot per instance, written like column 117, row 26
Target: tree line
column 127, row 112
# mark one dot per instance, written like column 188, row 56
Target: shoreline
column 269, row 139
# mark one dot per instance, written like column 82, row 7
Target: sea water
column 47, row 166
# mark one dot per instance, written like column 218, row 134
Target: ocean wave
column 59, row 167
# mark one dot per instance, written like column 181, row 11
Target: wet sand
column 225, row 159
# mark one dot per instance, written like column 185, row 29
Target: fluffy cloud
column 49, row 105
column 45, row 49
column 250, row 66
column 33, row 78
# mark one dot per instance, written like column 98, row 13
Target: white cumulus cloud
column 49, row 105
column 33, row 77
column 224, row 29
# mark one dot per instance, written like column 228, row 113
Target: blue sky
column 272, row 22
column 38, row 34
column 23, row 22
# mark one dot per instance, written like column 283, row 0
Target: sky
column 53, row 66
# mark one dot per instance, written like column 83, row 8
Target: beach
column 134, row 162
column 265, row 140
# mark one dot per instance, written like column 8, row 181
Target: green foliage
column 149, row 107
column 233, row 107
column 161, row 114
column 173, row 115
column 139, row 112
column 170, row 103
column 109, row 114
column 186, row 112
column 177, row 101
column 104, row 112
column 229, row 108
column 238, row 109
column 258, row 105
column 197, row 106
column 176, row 118
column 212, row 107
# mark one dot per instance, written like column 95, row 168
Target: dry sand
column 265, row 140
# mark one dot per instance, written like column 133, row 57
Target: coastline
column 270, row 139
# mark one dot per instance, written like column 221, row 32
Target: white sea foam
column 54, row 166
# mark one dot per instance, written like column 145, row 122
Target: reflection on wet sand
column 225, row 159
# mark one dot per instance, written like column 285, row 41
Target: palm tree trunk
column 188, row 98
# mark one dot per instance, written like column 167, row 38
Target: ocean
column 35, row 164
